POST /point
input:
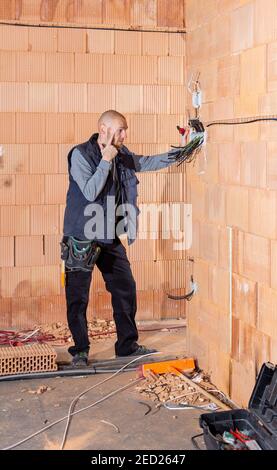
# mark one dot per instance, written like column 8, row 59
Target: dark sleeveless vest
column 79, row 211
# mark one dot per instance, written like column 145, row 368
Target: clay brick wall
column 54, row 83
column 233, row 44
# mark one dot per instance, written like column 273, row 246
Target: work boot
column 80, row 359
column 141, row 351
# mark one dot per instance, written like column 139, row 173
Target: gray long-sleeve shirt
column 91, row 184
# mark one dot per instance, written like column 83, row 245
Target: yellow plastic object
column 63, row 274
column 176, row 366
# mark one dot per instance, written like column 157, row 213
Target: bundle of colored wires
column 188, row 152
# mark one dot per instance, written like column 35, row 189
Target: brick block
column 26, row 312
column 143, row 70
column 30, row 189
column 103, row 306
column 223, row 108
column 201, row 277
column 6, row 313
column 30, row 67
column 262, row 213
column 71, row 40
column 247, row 105
column 177, row 44
column 142, row 129
column 30, row 128
column 178, row 99
column 165, row 308
column 243, row 377
column 219, row 368
column 43, row 39
column 44, row 220
column 267, row 299
column 16, row 282
column 13, row 38
column 117, row 12
column 44, row 158
column 237, row 206
column 52, row 249
column 170, row 13
column 85, row 126
column 212, row 168
column 55, row 189
column 220, row 28
column 62, row 208
column 147, row 188
column 63, row 163
column 219, row 287
column 272, row 67
column 242, row 28
column 155, row 99
column 88, row 68
column 7, row 190
column 144, row 13
column 142, row 250
column 43, row 97
column 59, row 128
column 265, row 24
column 166, row 126
column 155, row 44
column 116, row 69
column 129, row 98
column 197, row 199
column 171, row 70
column 215, row 203
column 45, row 280
column 271, row 167
column 7, row 66
column 254, row 257
column 7, row 10
column 15, row 159
column 60, row 67
column 15, row 220
column 252, row 167
column 29, row 251
column 145, row 305
column 247, row 133
column 209, row 242
column 6, row 251
column 100, row 42
column 7, row 128
column 253, row 71
column 169, row 187
column 229, row 163
column 72, row 98
column 53, row 309
column 245, row 300
column 273, row 252
column 166, row 248
column 100, row 98
column 128, row 42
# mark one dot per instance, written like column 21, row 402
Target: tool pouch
column 79, row 255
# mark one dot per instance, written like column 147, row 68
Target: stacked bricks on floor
column 27, row 359
column 54, row 83
column 233, row 44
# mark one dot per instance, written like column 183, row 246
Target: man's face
column 119, row 128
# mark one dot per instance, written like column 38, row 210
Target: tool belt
column 79, row 255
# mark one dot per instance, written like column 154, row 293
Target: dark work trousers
column 115, row 268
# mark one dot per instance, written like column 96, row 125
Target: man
column 102, row 170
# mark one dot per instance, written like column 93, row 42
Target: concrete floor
column 22, row 413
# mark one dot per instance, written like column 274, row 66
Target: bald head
column 113, row 122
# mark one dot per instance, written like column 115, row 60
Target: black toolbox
column 260, row 418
